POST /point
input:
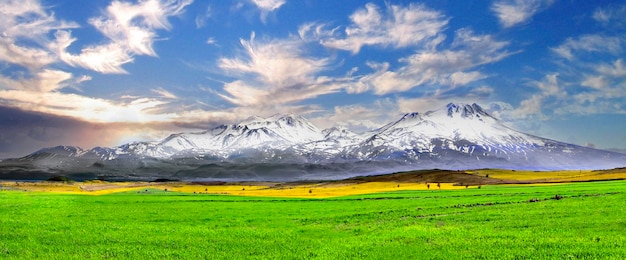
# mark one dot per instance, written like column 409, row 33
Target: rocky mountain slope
column 289, row 147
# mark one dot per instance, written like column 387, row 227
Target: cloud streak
column 24, row 26
column 589, row 43
column 451, row 67
column 275, row 70
column 267, row 6
column 515, row 12
column 396, row 26
column 130, row 29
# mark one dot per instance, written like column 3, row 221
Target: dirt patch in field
column 430, row 176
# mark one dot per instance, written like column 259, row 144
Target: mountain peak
column 411, row 115
column 465, row 110
column 338, row 131
column 280, row 116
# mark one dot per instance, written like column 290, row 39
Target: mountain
column 289, row 147
column 279, row 131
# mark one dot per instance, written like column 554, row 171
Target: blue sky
column 101, row 73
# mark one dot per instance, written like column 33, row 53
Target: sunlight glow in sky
column 99, row 73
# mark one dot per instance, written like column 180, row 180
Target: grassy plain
column 553, row 176
column 565, row 221
column 416, row 180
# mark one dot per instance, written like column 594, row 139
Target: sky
column 105, row 73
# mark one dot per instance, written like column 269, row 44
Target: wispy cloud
column 28, row 20
column 614, row 15
column 275, row 70
column 267, row 6
column 452, row 67
column 24, row 26
column 211, row 41
column 514, row 12
column 28, row 57
column 202, row 18
column 85, row 108
column 25, row 42
column 532, row 107
column 591, row 79
column 589, row 43
column 164, row 93
column 358, row 118
column 396, row 26
column 130, row 29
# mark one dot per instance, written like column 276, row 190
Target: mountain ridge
column 457, row 136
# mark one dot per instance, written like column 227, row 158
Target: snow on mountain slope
column 276, row 132
column 456, row 124
column 457, row 136
column 335, row 141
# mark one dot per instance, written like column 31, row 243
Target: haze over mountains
column 289, row 147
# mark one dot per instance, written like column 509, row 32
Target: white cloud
column 24, row 26
column 551, row 92
column 464, row 78
column 27, row 19
column 30, row 58
column 201, row 19
column 85, row 108
column 607, row 86
column 131, row 30
column 42, row 81
column 211, row 41
column 268, row 6
column 450, row 67
column 359, row 118
column 164, row 93
column 592, row 72
column 615, row 70
column 589, row 43
column 514, row 12
column 398, row 27
column 581, row 92
column 422, row 104
column 529, row 107
column 550, row 86
column 611, row 15
column 100, row 58
column 596, row 82
column 275, row 72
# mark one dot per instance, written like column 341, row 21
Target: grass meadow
column 557, row 221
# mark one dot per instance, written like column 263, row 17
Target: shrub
column 61, row 179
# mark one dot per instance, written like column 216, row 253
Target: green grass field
column 585, row 221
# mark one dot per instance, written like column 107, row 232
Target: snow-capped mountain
column 287, row 147
column 279, row 131
column 462, row 128
column 276, row 132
